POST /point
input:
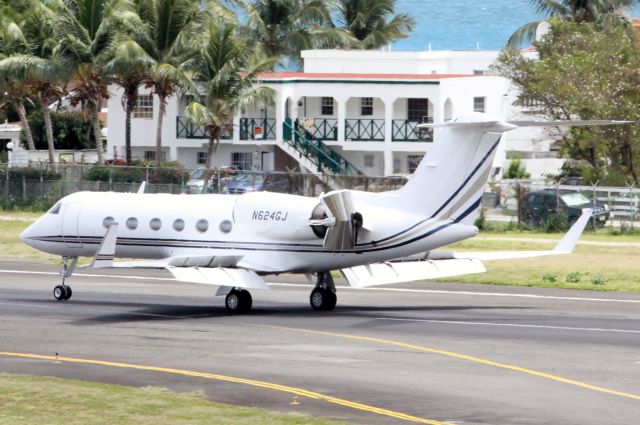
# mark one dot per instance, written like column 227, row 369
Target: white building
column 347, row 109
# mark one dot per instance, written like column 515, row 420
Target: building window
column 369, row 160
column 478, row 104
column 242, row 160
column 417, row 109
column 327, row 106
column 151, row 156
column 479, row 72
column 144, row 107
column 412, row 163
column 366, row 106
column 201, row 158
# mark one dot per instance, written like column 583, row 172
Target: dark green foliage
column 169, row 173
column 516, row 170
column 29, row 174
column 70, row 131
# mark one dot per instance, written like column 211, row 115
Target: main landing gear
column 63, row 292
column 238, row 301
column 323, row 297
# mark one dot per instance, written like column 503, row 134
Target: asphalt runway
column 430, row 353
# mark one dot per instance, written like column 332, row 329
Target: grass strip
column 26, row 399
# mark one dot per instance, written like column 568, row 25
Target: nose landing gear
column 63, row 292
column 323, row 297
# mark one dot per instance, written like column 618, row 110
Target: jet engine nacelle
column 275, row 215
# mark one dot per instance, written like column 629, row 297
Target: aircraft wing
column 440, row 264
column 205, row 269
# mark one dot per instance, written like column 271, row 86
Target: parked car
column 539, row 206
column 196, row 181
column 257, row 182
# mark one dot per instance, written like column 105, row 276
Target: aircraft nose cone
column 27, row 234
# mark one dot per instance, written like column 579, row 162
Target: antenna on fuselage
column 142, row 187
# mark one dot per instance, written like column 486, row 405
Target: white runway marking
column 514, row 325
column 301, row 285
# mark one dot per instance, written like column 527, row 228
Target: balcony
column 364, row 130
column 408, row 131
column 257, row 128
column 318, row 128
column 186, row 130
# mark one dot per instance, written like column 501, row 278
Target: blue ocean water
column 465, row 24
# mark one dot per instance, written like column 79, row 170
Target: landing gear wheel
column 323, row 299
column 67, row 292
column 238, row 301
column 59, row 293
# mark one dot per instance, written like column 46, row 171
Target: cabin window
column 132, row 223
column 202, row 225
column 155, row 224
column 366, row 106
column 178, row 225
column 225, row 226
column 327, row 106
column 478, row 104
column 55, row 209
column 107, row 221
column 144, row 107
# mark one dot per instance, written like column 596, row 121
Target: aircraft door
column 70, row 218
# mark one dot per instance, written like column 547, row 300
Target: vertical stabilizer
column 450, row 180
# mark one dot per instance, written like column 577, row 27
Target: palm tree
column 13, row 41
column 38, row 69
column 600, row 12
column 224, row 70
column 283, row 28
column 85, row 33
column 172, row 26
column 372, row 22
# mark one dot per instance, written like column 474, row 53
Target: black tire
column 59, row 293
column 67, row 292
column 323, row 299
column 238, row 302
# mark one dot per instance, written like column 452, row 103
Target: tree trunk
column 25, row 124
column 161, row 113
column 127, row 133
column 97, row 132
column 48, row 126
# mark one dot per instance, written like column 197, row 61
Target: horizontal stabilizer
column 238, row 278
column 566, row 245
column 386, row 273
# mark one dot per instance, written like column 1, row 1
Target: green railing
column 186, row 130
column 319, row 128
column 364, row 130
column 408, row 131
column 257, row 128
column 322, row 156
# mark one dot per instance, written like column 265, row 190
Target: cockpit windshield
column 55, row 209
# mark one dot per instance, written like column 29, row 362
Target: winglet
column 143, row 185
column 569, row 240
column 107, row 250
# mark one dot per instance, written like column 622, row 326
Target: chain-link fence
column 41, row 186
column 539, row 202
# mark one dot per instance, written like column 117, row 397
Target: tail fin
column 450, row 180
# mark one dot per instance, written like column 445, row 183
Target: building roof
column 331, row 76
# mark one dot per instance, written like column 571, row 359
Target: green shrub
column 574, row 277
column 169, row 173
column 71, row 130
column 598, row 279
column 557, row 222
column 550, row 277
column 29, row 173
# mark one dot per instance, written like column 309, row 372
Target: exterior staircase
column 314, row 154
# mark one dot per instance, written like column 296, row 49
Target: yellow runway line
column 260, row 384
column 468, row 358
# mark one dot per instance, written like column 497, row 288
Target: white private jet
column 231, row 241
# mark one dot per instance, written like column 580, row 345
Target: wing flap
column 387, row 273
column 219, row 276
